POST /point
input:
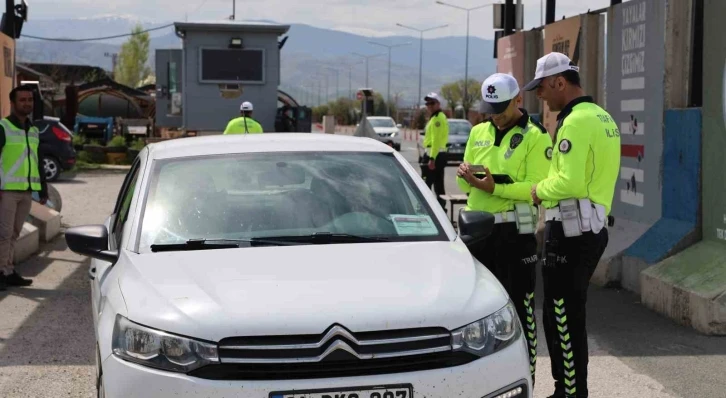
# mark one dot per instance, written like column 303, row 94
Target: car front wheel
column 52, row 168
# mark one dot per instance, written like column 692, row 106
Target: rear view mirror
column 282, row 176
column 92, row 241
column 475, row 226
column 399, row 125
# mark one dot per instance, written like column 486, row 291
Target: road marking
column 632, row 198
column 633, row 83
column 626, row 173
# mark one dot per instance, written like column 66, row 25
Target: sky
column 365, row 17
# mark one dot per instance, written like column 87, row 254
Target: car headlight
column 488, row 335
column 161, row 350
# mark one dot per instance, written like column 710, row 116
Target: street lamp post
column 466, row 64
column 367, row 57
column 388, row 90
column 337, row 79
column 420, row 55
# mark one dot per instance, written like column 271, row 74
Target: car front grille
column 335, row 353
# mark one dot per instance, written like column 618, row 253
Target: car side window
column 123, row 204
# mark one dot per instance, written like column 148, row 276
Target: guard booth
column 365, row 95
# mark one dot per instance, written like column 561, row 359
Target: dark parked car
column 56, row 147
column 459, row 130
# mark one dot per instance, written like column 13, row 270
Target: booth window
column 224, row 65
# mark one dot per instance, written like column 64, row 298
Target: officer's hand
column 432, row 165
column 486, row 184
column 462, row 170
column 535, row 198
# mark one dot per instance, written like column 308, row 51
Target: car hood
column 212, row 294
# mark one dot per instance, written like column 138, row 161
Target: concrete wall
column 714, row 122
column 206, row 107
column 635, row 100
column 164, row 118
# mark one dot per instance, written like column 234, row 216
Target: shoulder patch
column 548, row 153
column 438, row 124
column 515, row 141
column 565, row 146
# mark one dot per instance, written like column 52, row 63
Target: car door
column 99, row 269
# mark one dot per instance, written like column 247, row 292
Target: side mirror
column 422, row 133
column 475, row 226
column 92, row 241
column 399, row 125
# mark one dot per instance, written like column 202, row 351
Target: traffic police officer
column 244, row 124
column 435, row 139
column 577, row 193
column 515, row 153
column 20, row 176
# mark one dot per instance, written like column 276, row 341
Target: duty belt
column 524, row 215
column 578, row 216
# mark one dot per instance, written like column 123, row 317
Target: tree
column 131, row 68
column 453, row 93
column 473, row 94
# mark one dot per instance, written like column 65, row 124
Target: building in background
column 200, row 87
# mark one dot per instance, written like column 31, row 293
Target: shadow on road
column 60, row 329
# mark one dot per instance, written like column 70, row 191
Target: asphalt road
column 46, row 335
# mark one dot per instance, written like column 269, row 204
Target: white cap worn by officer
column 246, row 107
column 550, row 65
column 497, row 92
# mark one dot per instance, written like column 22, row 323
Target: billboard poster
column 563, row 37
column 635, row 100
column 6, row 79
column 510, row 57
column 714, row 122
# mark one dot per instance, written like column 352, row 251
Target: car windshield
column 382, row 122
column 284, row 194
column 459, row 128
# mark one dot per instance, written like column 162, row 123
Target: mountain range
column 306, row 57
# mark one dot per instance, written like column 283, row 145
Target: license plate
column 361, row 392
column 456, row 150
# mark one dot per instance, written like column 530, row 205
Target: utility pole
column 466, row 64
column 234, row 11
column 420, row 56
column 388, row 90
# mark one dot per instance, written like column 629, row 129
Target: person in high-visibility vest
column 577, row 194
column 20, row 176
column 244, row 124
column 512, row 152
column 433, row 162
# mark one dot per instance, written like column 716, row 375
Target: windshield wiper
column 209, row 244
column 323, row 238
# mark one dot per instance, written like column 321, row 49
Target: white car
column 387, row 130
column 293, row 265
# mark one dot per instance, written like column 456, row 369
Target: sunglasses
column 430, row 103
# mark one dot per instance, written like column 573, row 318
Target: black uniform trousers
column 435, row 177
column 512, row 258
column 568, row 265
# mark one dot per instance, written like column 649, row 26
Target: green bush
column 117, row 141
column 138, row 144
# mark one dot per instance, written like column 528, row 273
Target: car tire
column 51, row 168
column 55, row 197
